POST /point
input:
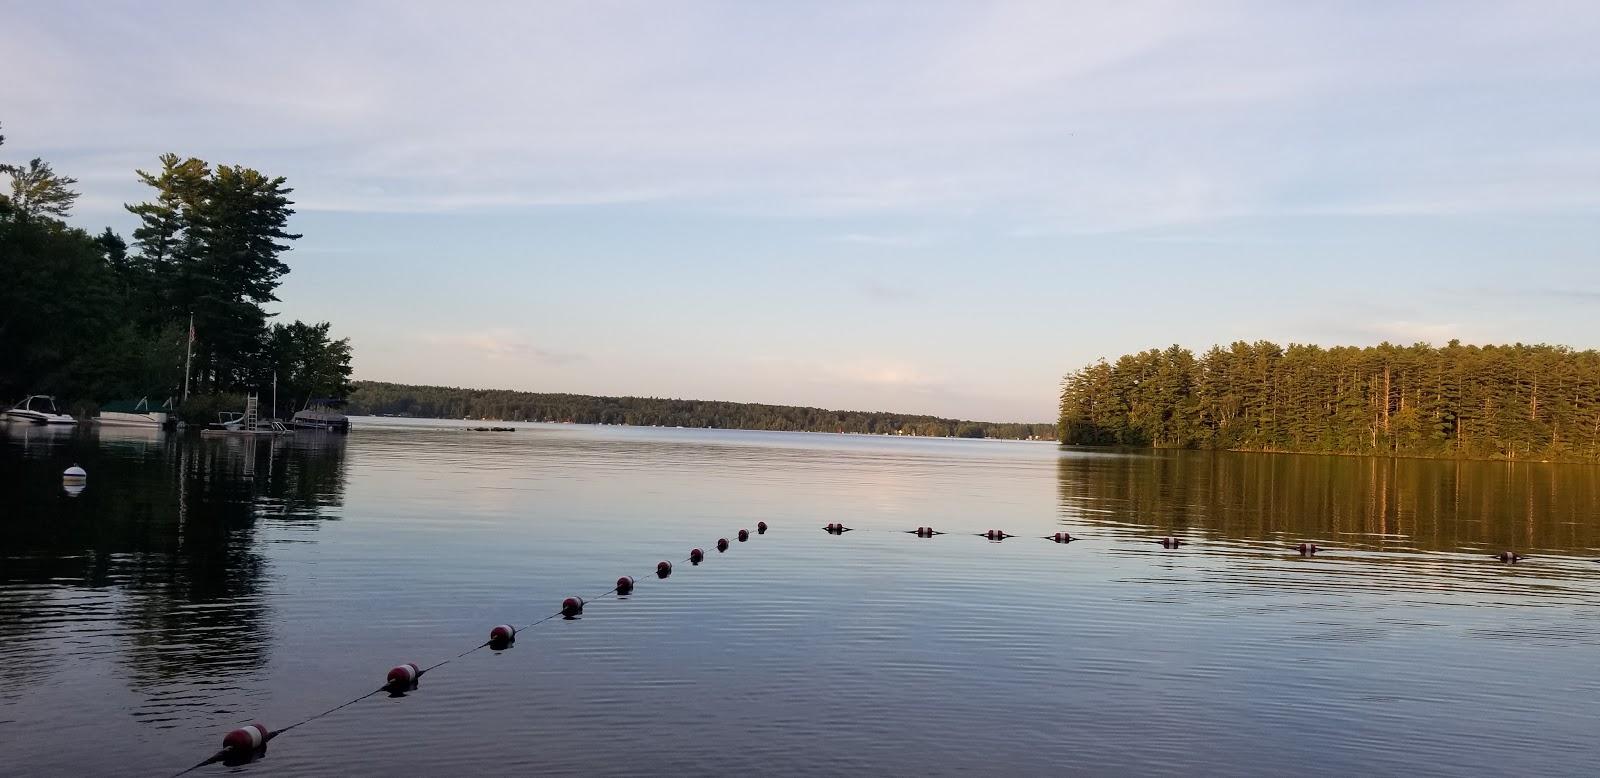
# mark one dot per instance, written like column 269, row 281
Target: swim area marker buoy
column 249, row 742
column 403, row 678
column 572, row 607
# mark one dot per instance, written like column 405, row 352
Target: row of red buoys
column 250, row 741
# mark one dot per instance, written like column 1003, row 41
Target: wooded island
column 1456, row 401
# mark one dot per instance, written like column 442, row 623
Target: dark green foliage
column 1494, row 402
column 61, row 320
column 309, row 363
column 214, row 238
column 372, row 397
column 82, row 318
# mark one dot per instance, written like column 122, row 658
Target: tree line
column 379, row 398
column 1456, row 401
column 92, row 318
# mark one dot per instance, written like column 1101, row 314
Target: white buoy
column 73, row 480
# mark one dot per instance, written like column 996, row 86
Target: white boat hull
column 113, row 418
column 38, row 417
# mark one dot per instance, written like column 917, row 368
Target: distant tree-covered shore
column 1457, row 401
column 443, row 402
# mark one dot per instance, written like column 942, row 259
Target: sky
column 937, row 207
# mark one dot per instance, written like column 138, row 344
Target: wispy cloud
column 1406, row 332
column 882, row 291
column 1054, row 118
column 873, row 239
column 500, row 343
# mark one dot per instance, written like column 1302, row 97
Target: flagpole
column 188, row 353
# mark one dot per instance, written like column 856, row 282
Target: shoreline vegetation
column 96, row 318
column 379, row 398
column 1513, row 403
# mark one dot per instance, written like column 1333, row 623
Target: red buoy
column 247, row 739
column 722, row 544
column 1062, row 537
column 1510, row 557
column 502, row 635
column 663, row 569
column 624, row 585
column 572, row 607
column 1170, row 542
column 744, row 535
column 995, row 534
column 403, row 677
column 836, row 529
column 696, row 556
column 1307, row 549
column 924, row 532
column 761, row 528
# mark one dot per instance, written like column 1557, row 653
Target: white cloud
column 1054, row 117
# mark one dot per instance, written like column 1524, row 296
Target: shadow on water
column 1353, row 502
column 156, row 566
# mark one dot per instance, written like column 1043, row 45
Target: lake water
column 198, row 584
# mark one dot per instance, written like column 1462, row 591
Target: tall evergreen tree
column 36, row 190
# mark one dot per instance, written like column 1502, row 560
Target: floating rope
column 1170, row 542
column 248, row 742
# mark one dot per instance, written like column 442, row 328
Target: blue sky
column 919, row 206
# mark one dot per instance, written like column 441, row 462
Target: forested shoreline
column 380, row 398
column 1537, row 402
column 92, row 318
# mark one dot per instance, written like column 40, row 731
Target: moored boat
column 38, row 409
column 137, row 413
column 322, row 414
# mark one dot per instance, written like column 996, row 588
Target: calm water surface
column 198, row 584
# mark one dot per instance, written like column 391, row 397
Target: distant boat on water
column 38, row 409
column 137, row 413
column 323, row 413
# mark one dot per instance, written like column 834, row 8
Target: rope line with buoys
column 249, row 742
column 1169, row 541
